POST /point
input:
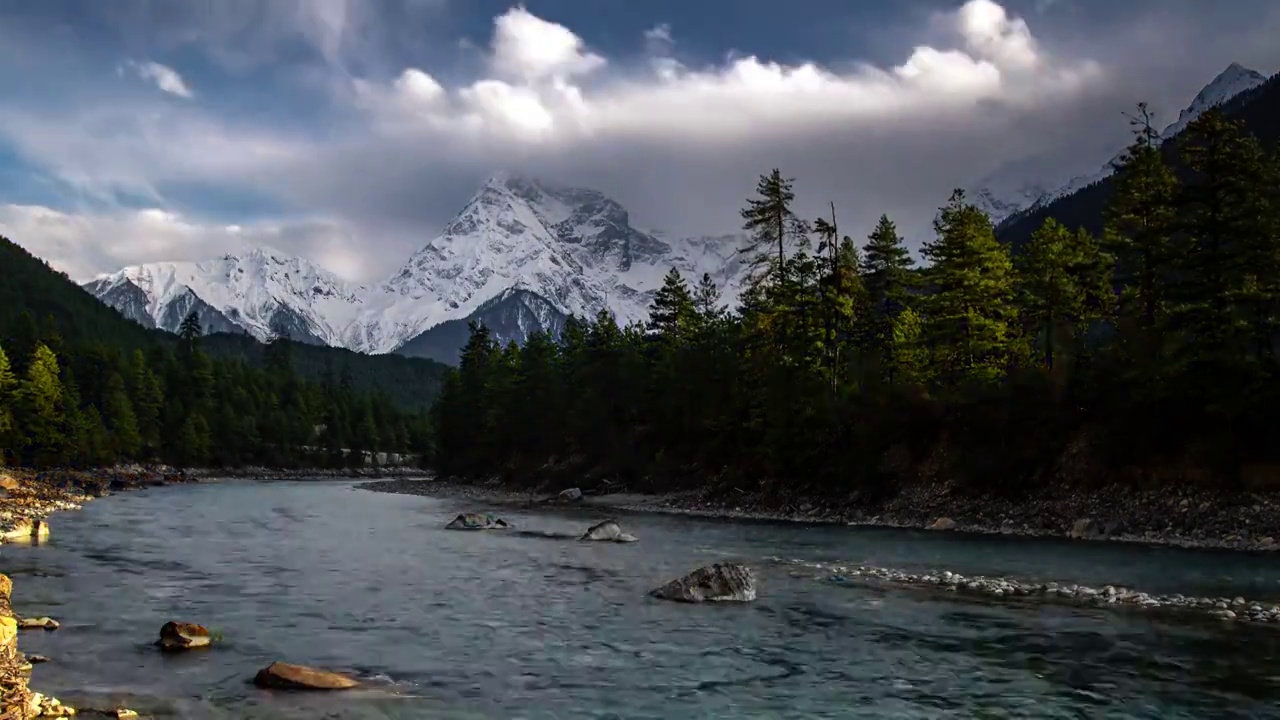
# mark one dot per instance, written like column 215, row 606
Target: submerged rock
column 40, row 623
column 476, row 521
column 721, row 582
column 286, row 676
column 183, row 636
column 608, row 531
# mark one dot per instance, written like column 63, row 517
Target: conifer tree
column 706, row 301
column 1063, row 286
column 887, row 279
column 41, row 406
column 1139, row 225
column 1222, row 215
column 970, row 314
column 672, row 309
column 772, row 223
column 147, row 402
column 8, row 388
column 126, row 441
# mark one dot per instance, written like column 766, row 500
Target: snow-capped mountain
column 522, row 255
column 1016, row 187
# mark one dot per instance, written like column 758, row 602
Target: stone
column 721, row 582
column 286, row 676
column 476, row 521
column 37, row 659
column 40, row 623
column 6, row 587
column 1084, row 528
column 570, row 495
column 942, row 523
column 8, row 632
column 175, row 636
column 609, row 531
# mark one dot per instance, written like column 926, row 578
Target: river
column 501, row 625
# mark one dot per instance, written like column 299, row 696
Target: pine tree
column 672, row 311
column 1062, row 283
column 886, row 269
column 772, row 223
column 41, row 407
column 147, row 402
column 8, row 389
column 1222, row 217
column 970, row 315
column 1139, row 225
column 887, row 279
column 190, row 330
column 126, row 441
column 706, row 302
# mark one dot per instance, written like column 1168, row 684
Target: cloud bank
column 388, row 151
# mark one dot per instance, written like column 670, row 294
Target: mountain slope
column 1023, row 185
column 522, row 254
column 1258, row 109
column 30, row 285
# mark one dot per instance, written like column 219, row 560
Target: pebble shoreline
column 1257, row 528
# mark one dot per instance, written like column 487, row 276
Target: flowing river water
column 450, row 624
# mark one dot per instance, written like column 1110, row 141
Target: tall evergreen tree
column 8, row 391
column 1063, row 284
column 772, row 224
column 970, row 313
column 40, row 403
column 1139, row 226
column 672, row 310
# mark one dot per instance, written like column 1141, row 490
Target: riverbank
column 1182, row 517
column 27, row 499
column 270, row 474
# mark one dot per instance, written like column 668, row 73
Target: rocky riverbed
column 1182, row 517
column 27, row 499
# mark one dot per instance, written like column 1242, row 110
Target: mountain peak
column 1232, row 81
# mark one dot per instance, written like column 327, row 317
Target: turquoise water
column 501, row 625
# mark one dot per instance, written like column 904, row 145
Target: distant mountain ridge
column 522, row 255
column 1258, row 109
column 1018, row 187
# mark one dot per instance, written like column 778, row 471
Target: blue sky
column 349, row 131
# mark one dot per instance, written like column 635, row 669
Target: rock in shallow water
column 287, row 676
column 40, row 623
column 176, row 636
column 721, row 582
column 477, row 521
column 609, row 531
column 942, row 523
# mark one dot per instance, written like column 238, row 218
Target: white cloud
column 86, row 244
column 526, row 47
column 164, row 77
column 678, row 141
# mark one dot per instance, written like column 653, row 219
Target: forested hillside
column 79, row 384
column 1257, row 110
column 844, row 372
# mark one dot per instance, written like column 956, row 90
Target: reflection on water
column 531, row 624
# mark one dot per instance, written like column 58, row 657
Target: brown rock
column 40, row 623
column 183, row 636
column 9, row 482
column 286, row 676
column 6, row 586
column 942, row 523
column 8, row 632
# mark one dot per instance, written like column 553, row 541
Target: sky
column 350, row 131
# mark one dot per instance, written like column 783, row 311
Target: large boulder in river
column 721, row 582
column 183, row 636
column 1084, row 528
column 286, row 676
column 608, row 531
column 477, row 521
column 572, row 495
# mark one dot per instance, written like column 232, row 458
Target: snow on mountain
column 522, row 255
column 1013, row 189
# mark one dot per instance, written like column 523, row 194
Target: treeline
column 71, row 402
column 847, row 369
